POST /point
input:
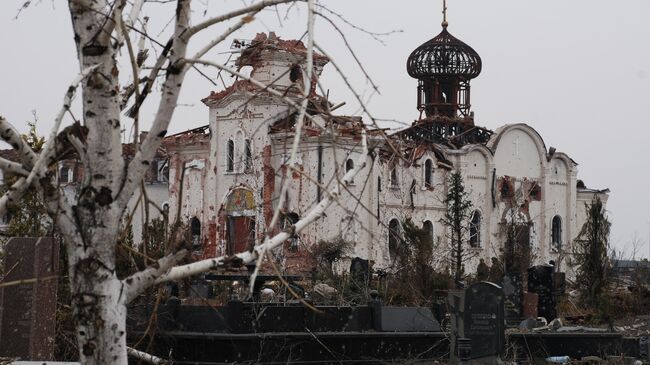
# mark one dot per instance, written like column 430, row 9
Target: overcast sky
column 577, row 71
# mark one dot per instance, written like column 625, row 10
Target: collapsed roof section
column 448, row 131
column 196, row 137
column 272, row 48
column 278, row 63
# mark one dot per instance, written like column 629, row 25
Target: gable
column 518, row 154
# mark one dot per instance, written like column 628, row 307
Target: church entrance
column 240, row 221
column 241, row 234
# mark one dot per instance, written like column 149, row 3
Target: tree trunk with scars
column 90, row 224
column 99, row 300
column 99, row 297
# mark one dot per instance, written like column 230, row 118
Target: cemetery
column 483, row 323
column 436, row 237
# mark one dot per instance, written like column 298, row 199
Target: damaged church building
column 227, row 176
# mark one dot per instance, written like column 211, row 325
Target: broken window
column 475, row 230
column 349, row 165
column 556, row 233
column 248, row 156
column 393, row 238
column 162, row 170
column 195, row 230
column 394, row 179
column 65, row 175
column 427, row 226
column 295, row 73
column 535, row 192
column 507, row 189
column 428, row 174
column 230, row 156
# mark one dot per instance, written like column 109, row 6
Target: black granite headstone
column 359, row 271
column 29, row 308
column 484, row 320
column 513, row 289
column 540, row 281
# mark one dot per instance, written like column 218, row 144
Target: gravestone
column 540, row 281
column 359, row 271
column 29, row 309
column 513, row 289
column 529, row 309
column 484, row 321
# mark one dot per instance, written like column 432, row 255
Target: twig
column 27, row 281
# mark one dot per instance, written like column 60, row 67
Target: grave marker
column 29, row 309
column 540, row 281
column 484, row 320
column 513, row 288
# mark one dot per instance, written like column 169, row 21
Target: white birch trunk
column 99, row 301
column 90, row 225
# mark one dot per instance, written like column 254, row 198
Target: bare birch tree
column 90, row 222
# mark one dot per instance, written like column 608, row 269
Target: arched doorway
column 240, row 220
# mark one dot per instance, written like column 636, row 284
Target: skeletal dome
column 444, row 56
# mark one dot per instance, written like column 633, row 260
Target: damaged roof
column 253, row 55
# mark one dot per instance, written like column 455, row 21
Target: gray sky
column 577, row 71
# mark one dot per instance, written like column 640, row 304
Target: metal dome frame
column 444, row 56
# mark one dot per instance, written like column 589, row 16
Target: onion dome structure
column 444, row 66
column 444, row 56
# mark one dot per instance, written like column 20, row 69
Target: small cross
column 516, row 143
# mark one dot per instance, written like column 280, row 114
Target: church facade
column 225, row 179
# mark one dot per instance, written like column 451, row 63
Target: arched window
column 64, row 174
column 394, row 237
column 427, row 226
column 195, row 230
column 394, row 179
column 475, row 229
column 349, row 165
column 556, row 232
column 230, row 156
column 428, row 174
column 248, row 156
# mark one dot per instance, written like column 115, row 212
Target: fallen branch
column 140, row 355
column 141, row 280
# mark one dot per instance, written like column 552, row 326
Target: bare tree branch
column 244, row 20
column 40, row 165
column 212, row 21
column 10, row 167
column 296, row 138
column 143, row 356
column 170, row 93
column 9, row 134
column 140, row 281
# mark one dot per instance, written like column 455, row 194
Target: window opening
column 475, row 230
